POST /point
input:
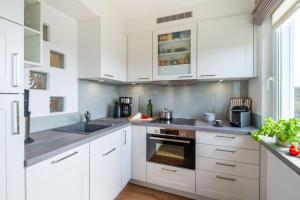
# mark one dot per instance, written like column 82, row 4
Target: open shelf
column 176, row 40
column 32, row 14
column 174, row 53
column 31, row 64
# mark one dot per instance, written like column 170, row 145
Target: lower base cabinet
column 63, row 177
column 226, row 187
column 171, row 177
column 105, row 167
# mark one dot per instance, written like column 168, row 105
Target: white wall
column 206, row 10
column 62, row 82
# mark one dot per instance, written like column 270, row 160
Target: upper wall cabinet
column 140, row 56
column 102, row 50
column 12, row 10
column 174, row 53
column 33, row 33
column 225, row 48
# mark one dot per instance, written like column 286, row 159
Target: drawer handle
column 143, row 78
column 225, row 178
column 16, row 69
column 169, row 170
column 228, row 151
column 59, row 160
column 108, row 75
column 170, row 140
column 208, row 75
column 109, row 152
column 185, row 77
column 223, row 136
column 225, row 164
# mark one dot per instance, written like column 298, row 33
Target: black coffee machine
column 125, row 106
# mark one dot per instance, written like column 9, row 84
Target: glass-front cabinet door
column 174, row 53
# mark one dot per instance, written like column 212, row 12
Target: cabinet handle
column 108, row 75
column 169, row 170
column 225, row 164
column 143, row 78
column 68, row 156
column 109, row 152
column 225, row 178
column 170, row 140
column 125, row 139
column 16, row 117
column 223, row 150
column 223, row 136
column 185, row 76
column 16, row 62
column 208, row 75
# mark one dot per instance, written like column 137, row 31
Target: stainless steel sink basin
column 81, row 128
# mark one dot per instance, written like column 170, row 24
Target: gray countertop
column 50, row 143
column 283, row 154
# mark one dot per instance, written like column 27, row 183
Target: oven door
column 170, row 150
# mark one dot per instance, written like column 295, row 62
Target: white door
column 225, row 48
column 140, row 56
column 12, row 181
column 126, row 155
column 105, row 167
column 174, row 53
column 63, row 177
column 139, row 162
column 12, row 10
column 11, row 57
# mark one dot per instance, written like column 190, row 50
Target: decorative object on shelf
column 57, row 60
column 57, row 104
column 163, row 63
column 162, row 37
column 38, row 80
column 170, row 37
column 176, row 35
column 286, row 131
column 209, row 117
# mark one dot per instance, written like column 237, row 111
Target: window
column 288, row 67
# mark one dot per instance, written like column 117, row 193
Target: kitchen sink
column 81, row 128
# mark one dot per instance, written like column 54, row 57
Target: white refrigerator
column 12, row 172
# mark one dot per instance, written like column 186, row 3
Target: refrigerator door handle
column 16, row 117
column 16, row 59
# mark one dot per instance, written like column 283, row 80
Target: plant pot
column 284, row 144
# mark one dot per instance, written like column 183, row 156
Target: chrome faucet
column 87, row 116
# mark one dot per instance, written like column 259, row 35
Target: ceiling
column 132, row 9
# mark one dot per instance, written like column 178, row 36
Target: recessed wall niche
column 57, row 60
column 57, row 104
column 38, row 80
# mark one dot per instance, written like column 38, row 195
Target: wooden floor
column 135, row 192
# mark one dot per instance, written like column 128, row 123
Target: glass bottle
column 150, row 108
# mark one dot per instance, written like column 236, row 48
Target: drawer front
column 171, row 177
column 106, row 143
column 153, row 130
column 227, row 167
column 228, row 153
column 228, row 140
column 225, row 187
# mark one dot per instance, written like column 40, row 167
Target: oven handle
column 170, row 140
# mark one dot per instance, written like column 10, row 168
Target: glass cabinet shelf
column 174, row 53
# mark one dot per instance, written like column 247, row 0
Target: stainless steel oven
column 172, row 147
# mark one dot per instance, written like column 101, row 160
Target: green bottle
column 149, row 108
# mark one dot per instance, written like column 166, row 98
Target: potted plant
column 287, row 132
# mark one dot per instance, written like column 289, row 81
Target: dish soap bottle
column 149, row 108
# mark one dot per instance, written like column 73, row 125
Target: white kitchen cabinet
column 174, row 53
column 102, row 50
column 225, row 48
column 126, row 155
column 11, row 57
column 12, row 179
column 12, row 10
column 62, row 177
column 171, row 177
column 227, row 140
column 139, row 162
column 226, row 187
column 105, row 167
column 140, row 56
